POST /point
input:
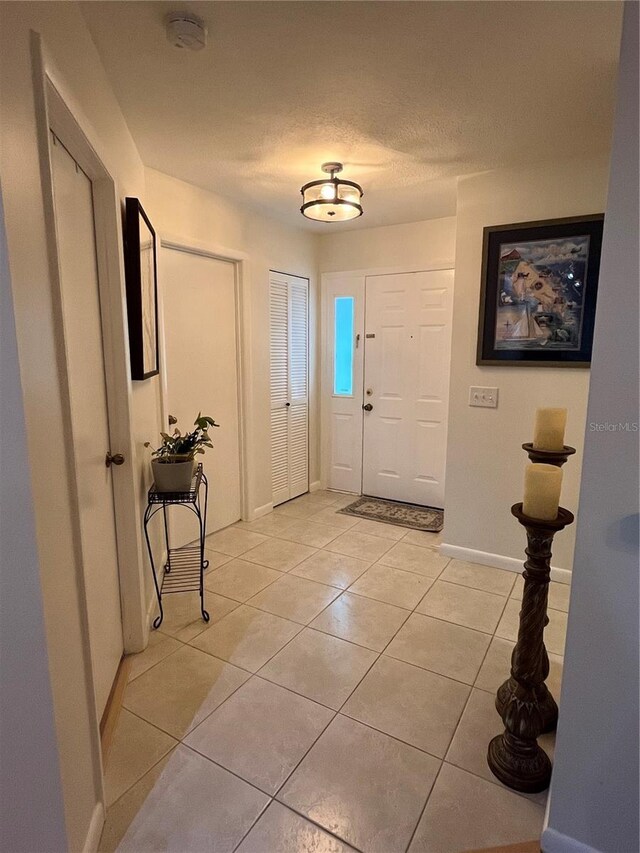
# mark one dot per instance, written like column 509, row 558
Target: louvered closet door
column 289, row 386
column 298, row 388
column 280, row 390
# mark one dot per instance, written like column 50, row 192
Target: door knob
column 367, row 407
column 116, row 459
column 287, row 405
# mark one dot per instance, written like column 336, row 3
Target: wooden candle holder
column 523, row 701
column 547, row 702
column 549, row 457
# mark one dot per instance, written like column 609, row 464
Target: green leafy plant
column 182, row 448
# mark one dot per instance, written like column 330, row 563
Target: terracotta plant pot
column 173, row 476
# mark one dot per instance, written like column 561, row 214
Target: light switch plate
column 487, row 398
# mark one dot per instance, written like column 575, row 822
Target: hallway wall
column 594, row 790
column 31, row 807
column 73, row 62
column 192, row 214
column 430, row 243
column 195, row 214
column 485, row 462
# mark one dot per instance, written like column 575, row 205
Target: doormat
column 426, row 518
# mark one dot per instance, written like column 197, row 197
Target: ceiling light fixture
column 331, row 199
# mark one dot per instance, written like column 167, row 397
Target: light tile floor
column 341, row 698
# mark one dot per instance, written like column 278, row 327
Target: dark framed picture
column 538, row 292
column 142, row 290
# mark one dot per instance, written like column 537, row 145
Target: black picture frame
column 141, row 274
column 538, row 292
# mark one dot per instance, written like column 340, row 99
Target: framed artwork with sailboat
column 538, row 292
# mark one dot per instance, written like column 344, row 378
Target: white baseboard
column 545, row 822
column 498, row 561
column 152, row 607
column 315, row 486
column 553, row 841
column 260, row 511
column 92, row 840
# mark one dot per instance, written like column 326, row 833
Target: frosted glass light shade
column 331, row 200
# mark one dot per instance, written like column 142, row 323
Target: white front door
column 74, row 221
column 199, row 312
column 406, row 384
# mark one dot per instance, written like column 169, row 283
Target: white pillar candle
column 542, row 484
column 548, row 433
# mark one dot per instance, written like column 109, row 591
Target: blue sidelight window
column 343, row 346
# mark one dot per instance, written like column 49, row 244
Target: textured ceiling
column 409, row 95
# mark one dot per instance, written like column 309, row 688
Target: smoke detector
column 186, row 31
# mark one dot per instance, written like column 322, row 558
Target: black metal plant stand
column 185, row 567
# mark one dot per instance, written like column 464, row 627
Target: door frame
column 243, row 350
column 326, row 367
column 115, row 344
column 57, row 116
column 53, row 114
column 326, row 336
column 306, row 278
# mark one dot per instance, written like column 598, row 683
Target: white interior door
column 201, row 363
column 406, row 381
column 89, row 415
column 289, row 362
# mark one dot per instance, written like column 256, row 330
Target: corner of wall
column 485, row 463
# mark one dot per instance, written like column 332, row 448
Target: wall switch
column 484, row 397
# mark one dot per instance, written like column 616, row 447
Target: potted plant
column 173, row 462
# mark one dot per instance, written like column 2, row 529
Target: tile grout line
column 455, row 730
column 227, row 770
column 431, row 671
column 139, row 779
column 295, row 693
column 235, row 689
column 373, row 728
column 302, row 626
column 497, row 783
column 424, row 807
column 326, row 548
column 352, row 642
column 300, row 815
column 181, row 741
column 306, row 752
column 272, row 797
column 473, row 588
column 308, row 624
column 336, row 712
column 281, row 573
column 154, row 665
column 429, row 615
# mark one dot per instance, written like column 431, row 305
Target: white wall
column 31, row 807
column 485, row 462
column 594, row 793
column 72, row 59
column 414, row 245
column 193, row 214
column 73, row 63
